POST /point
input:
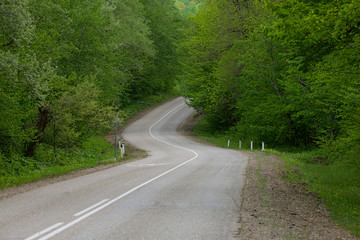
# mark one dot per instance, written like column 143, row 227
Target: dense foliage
column 284, row 72
column 188, row 7
column 67, row 67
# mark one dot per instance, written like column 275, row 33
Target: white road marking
column 172, row 145
column 147, row 165
column 44, row 231
column 70, row 224
column 89, row 208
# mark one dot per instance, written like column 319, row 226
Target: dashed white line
column 44, row 231
column 147, row 165
column 112, row 201
column 89, row 208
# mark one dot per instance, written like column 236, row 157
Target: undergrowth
column 221, row 138
column 18, row 169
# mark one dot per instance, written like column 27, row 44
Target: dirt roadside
column 274, row 208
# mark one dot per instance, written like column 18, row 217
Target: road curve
column 183, row 190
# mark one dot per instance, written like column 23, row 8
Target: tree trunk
column 294, row 129
column 43, row 120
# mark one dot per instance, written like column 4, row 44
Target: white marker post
column 228, row 143
column 251, row 145
column 262, row 146
column 122, row 149
column 239, row 144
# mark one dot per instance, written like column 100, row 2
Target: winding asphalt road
column 183, row 190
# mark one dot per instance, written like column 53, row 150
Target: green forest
column 68, row 67
column 283, row 72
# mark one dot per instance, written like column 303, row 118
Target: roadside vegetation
column 45, row 163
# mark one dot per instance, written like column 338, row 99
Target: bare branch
column 303, row 83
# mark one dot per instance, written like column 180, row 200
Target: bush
column 96, row 143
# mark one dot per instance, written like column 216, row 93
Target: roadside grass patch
column 18, row 170
column 220, row 138
column 261, row 178
column 336, row 184
column 96, row 151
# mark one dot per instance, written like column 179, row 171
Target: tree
column 322, row 41
column 128, row 49
column 24, row 80
column 162, row 69
column 62, row 63
column 285, row 72
column 77, row 115
column 221, row 29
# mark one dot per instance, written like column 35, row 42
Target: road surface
column 183, row 190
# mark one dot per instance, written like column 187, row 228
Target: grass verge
column 337, row 184
column 97, row 151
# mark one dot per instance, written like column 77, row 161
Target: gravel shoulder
column 274, row 208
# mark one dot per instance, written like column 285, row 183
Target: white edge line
column 59, row 230
column 44, row 231
column 89, row 208
column 172, row 145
